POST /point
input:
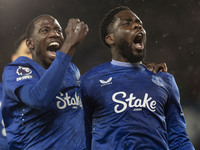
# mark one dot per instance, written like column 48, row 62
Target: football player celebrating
column 42, row 106
column 127, row 106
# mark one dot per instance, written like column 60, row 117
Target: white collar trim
column 124, row 64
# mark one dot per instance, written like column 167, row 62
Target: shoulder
column 73, row 67
column 91, row 78
column 21, row 61
column 20, row 65
column 166, row 75
column 96, row 71
column 168, row 78
column 21, row 69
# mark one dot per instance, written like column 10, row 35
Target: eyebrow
column 43, row 27
column 131, row 19
column 138, row 21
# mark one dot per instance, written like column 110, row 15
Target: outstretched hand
column 156, row 67
column 75, row 31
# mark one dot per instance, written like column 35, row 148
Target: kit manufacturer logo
column 107, row 82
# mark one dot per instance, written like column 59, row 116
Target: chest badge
column 157, row 80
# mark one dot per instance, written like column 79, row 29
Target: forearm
column 67, row 48
column 41, row 94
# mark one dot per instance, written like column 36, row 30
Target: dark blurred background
column 172, row 26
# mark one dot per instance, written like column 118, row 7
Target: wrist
column 68, row 48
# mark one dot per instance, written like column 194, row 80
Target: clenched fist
column 75, row 31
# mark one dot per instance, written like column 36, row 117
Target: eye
column 59, row 30
column 126, row 23
column 44, row 30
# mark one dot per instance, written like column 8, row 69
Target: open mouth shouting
column 52, row 48
column 138, row 41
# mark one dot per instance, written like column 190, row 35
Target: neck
column 117, row 56
column 45, row 66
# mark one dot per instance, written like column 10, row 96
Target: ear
column 30, row 43
column 110, row 39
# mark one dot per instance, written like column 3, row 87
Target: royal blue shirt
column 130, row 108
column 42, row 109
column 3, row 139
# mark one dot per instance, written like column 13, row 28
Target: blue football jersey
column 42, row 109
column 3, row 140
column 130, row 108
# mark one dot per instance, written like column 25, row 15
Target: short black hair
column 107, row 20
column 31, row 26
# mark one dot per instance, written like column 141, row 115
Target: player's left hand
column 156, row 67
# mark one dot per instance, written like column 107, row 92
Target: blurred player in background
column 20, row 50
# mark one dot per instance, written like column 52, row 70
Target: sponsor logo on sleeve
column 24, row 72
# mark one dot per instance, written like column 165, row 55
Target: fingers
column 156, row 67
column 81, row 26
column 75, row 31
column 163, row 67
column 150, row 66
column 77, row 25
column 160, row 67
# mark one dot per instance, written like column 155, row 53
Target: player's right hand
column 75, row 31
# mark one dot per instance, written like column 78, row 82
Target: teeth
column 54, row 44
column 140, row 34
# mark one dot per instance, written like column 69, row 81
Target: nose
column 54, row 33
column 137, row 26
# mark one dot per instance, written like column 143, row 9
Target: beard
column 125, row 50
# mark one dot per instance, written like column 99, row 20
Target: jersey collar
column 125, row 64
